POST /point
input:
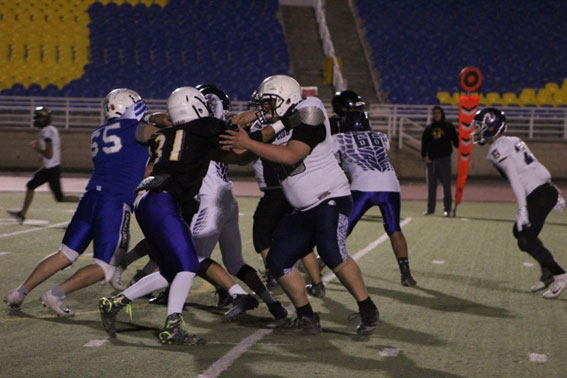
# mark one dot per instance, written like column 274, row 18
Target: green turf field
column 471, row 314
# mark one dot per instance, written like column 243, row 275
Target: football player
column 535, row 194
column 182, row 156
column 103, row 213
column 363, row 154
column 49, row 147
column 318, row 190
column 343, row 102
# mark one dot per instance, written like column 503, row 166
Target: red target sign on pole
column 470, row 79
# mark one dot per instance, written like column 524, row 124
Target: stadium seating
column 419, row 47
column 85, row 48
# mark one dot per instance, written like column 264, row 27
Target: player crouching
column 534, row 192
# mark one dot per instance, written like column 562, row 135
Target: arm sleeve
column 310, row 135
column 510, row 170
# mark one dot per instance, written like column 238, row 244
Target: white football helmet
column 186, row 104
column 276, row 94
column 116, row 102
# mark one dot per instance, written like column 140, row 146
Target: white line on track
column 33, row 229
column 242, row 347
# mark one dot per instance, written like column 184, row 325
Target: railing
column 403, row 123
column 376, row 82
column 339, row 82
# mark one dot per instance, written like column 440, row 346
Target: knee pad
column 69, row 254
column 245, row 270
column 107, row 268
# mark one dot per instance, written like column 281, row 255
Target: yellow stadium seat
column 444, row 98
column 528, row 97
column 559, row 98
column 510, row 98
column 493, row 98
column 544, row 98
column 456, row 96
column 552, row 88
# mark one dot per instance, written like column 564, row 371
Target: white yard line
column 223, row 363
column 33, row 229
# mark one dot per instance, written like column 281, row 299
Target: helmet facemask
column 487, row 127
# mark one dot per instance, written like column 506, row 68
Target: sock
column 366, row 305
column 267, row 297
column 304, row 311
column 22, row 290
column 236, row 289
column 145, row 286
column 178, row 291
column 58, row 291
column 403, row 264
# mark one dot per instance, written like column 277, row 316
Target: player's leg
column 431, row 173
column 39, row 178
column 140, row 250
column 55, row 186
column 76, row 239
column 159, row 218
column 311, row 264
column 445, row 177
column 330, row 235
column 390, row 207
column 292, row 238
column 540, row 203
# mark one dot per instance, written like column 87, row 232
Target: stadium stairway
column 305, row 48
column 348, row 47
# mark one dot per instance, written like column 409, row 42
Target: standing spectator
column 49, row 147
column 436, row 150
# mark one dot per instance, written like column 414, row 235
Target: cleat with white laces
column 14, row 299
column 56, row 304
column 116, row 280
column 556, row 288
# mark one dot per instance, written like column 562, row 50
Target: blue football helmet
column 488, row 123
column 354, row 121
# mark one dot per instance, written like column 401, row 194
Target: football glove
column 522, row 219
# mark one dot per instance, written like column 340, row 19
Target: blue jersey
column 119, row 159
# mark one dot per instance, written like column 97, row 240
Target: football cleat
column 56, row 304
column 116, row 280
column 277, row 310
column 300, row 326
column 109, row 308
column 14, row 299
column 17, row 215
column 316, row 290
column 174, row 333
column 242, row 303
column 161, row 299
column 545, row 280
column 556, row 288
column 225, row 299
column 368, row 320
column 407, row 280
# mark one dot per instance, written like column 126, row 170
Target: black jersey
column 184, row 152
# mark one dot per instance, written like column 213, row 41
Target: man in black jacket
column 436, row 150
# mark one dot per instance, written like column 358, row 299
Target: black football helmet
column 488, row 123
column 206, row 89
column 354, row 121
column 41, row 116
column 346, row 101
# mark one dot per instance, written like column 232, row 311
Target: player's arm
column 152, row 123
column 48, row 152
column 509, row 169
column 243, row 118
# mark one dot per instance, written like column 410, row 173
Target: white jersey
column 318, row 176
column 531, row 172
column 50, row 133
column 216, row 180
column 364, row 156
column 264, row 175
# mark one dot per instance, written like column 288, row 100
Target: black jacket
column 437, row 138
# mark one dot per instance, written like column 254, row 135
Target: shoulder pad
column 311, row 115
